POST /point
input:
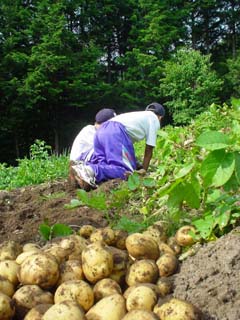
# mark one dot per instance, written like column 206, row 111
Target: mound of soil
column 210, row 279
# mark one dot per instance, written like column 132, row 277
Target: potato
column 76, row 244
column 9, row 250
column 120, row 258
column 155, row 234
column 167, row 264
column 142, row 246
column 152, row 286
column 86, row 231
column 41, row 269
column 111, row 307
column 165, row 286
column 164, row 248
column 9, row 270
column 173, row 245
column 120, row 239
column 182, row 236
column 140, row 315
column 118, row 276
column 37, row 312
column 105, row 235
column 78, row 291
column 6, row 287
column 70, row 270
column 31, row 247
column 97, row 262
column 142, row 271
column 65, row 310
column 28, row 296
column 7, row 309
column 22, row 256
column 106, row 287
column 141, row 297
column 61, row 254
column 176, row 309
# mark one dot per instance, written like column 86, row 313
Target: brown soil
column 210, row 279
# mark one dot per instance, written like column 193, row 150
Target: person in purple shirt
column 114, row 155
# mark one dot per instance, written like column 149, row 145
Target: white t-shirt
column 83, row 142
column 140, row 125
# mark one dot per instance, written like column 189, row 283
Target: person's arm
column 147, row 156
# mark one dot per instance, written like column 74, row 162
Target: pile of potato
column 96, row 274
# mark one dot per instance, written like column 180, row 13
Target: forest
column 61, row 61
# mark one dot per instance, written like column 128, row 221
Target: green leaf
column 149, row 182
column 45, row 231
column 184, row 171
column 235, row 103
column 83, row 196
column 130, row 226
column 176, row 196
column 192, row 193
column 223, row 218
column 204, row 226
column 237, row 166
column 74, row 203
column 213, row 140
column 217, row 168
column 60, row 230
column 133, row 181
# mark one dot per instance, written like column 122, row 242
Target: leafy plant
column 57, row 230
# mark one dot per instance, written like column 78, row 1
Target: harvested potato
column 164, row 248
column 105, row 287
column 41, row 269
column 118, row 276
column 152, row 286
column 78, row 291
column 61, row 254
column 182, row 236
column 76, row 244
column 174, row 246
column 36, row 313
column 142, row 246
column 120, row 258
column 9, row 270
column 176, row 309
column 142, row 271
column 22, row 256
column 70, row 270
column 9, row 250
column 120, row 239
column 86, row 231
column 155, row 234
column 31, row 247
column 97, row 262
column 28, row 296
column 167, row 264
column 66, row 310
column 111, row 307
column 105, row 235
column 165, row 286
column 141, row 297
column 140, row 315
column 6, row 287
column 7, row 309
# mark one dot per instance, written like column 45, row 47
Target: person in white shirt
column 114, row 155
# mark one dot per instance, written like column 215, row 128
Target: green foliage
column 40, row 167
column 57, row 230
column 190, row 83
column 233, row 75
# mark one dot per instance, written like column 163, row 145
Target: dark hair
column 104, row 115
column 157, row 108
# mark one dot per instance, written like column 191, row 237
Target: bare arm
column 147, row 156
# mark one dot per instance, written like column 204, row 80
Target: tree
column 190, row 84
column 233, row 75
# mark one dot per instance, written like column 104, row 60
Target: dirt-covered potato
column 61, row 254
column 176, row 309
column 155, row 234
column 22, row 256
column 118, row 276
column 29, row 296
column 41, row 269
column 141, row 297
column 37, row 312
column 9, row 250
column 105, row 235
column 142, row 246
column 7, row 309
column 172, row 243
column 78, row 291
column 31, row 247
column 86, row 231
column 70, row 270
column 167, row 264
column 66, row 310
column 120, row 258
column 165, row 286
column 76, row 244
column 9, row 270
column 152, row 286
column 142, row 271
column 111, row 307
column 140, row 315
column 105, row 287
column 6, row 287
column 164, row 248
column 120, row 239
column 182, row 236
column 97, row 262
